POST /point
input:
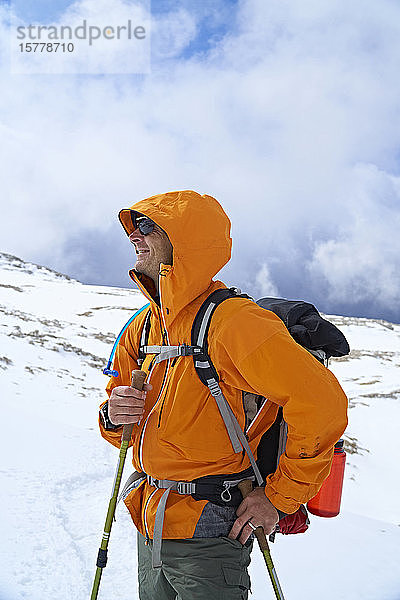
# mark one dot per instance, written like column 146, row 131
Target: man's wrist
column 281, row 514
column 105, row 419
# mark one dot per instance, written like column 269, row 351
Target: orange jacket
column 182, row 435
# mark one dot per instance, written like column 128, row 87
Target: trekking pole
column 246, row 487
column 138, row 378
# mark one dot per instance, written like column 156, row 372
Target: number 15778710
column 46, row 47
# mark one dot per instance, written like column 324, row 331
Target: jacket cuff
column 105, row 419
column 284, row 506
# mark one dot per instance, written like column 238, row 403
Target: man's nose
column 136, row 236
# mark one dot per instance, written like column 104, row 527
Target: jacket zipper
column 165, row 338
column 165, row 393
column 165, row 331
column 141, row 439
column 161, row 326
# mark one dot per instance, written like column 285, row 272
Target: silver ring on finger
column 251, row 525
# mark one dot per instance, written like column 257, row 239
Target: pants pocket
column 236, row 580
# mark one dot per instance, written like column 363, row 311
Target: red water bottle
column 327, row 502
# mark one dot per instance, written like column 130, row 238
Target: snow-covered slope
column 57, row 472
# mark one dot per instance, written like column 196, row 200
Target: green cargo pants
column 195, row 569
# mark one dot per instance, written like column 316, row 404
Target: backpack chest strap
column 168, row 352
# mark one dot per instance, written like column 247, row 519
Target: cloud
column 264, row 283
column 289, row 119
column 172, row 32
column 361, row 263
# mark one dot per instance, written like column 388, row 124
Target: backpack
column 320, row 337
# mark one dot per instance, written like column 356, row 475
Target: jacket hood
column 199, row 231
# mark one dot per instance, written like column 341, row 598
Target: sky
column 286, row 111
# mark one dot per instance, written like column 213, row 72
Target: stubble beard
column 148, row 268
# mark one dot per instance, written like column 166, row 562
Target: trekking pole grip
column 138, row 378
column 137, row 383
column 246, row 486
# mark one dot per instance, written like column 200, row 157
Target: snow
column 57, row 472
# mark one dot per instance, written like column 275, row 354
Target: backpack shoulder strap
column 208, row 375
column 201, row 325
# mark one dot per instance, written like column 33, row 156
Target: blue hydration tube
column 108, row 370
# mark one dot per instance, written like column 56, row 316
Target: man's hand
column 255, row 508
column 126, row 405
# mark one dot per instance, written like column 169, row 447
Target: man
column 182, row 240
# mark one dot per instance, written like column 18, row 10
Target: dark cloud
column 99, row 258
column 290, row 119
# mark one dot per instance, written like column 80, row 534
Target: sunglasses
column 144, row 224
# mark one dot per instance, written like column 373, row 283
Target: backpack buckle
column 185, row 487
column 185, row 350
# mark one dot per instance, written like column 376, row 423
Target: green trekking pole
column 138, row 378
column 246, row 487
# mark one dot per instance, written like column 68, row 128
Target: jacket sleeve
column 255, row 347
column 124, row 362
